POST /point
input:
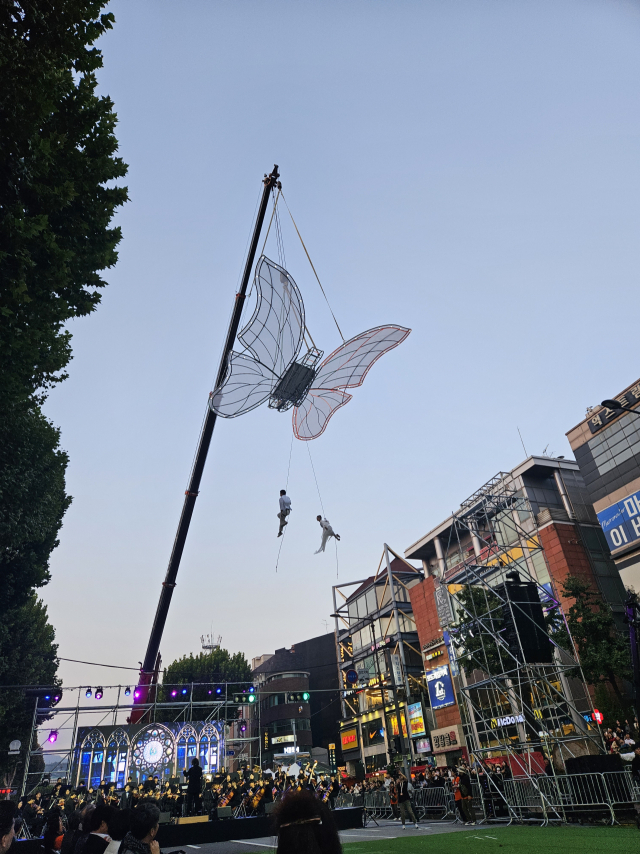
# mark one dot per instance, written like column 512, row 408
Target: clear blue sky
column 468, row 169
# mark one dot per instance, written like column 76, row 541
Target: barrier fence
column 561, row 798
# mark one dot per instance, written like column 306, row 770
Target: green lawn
column 510, row 840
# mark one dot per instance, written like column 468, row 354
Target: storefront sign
column 606, row 416
column 447, row 738
column 282, row 739
column 349, row 739
column 443, row 605
column 440, row 686
column 423, row 745
column 416, row 720
column 509, row 720
column 397, row 670
column 621, row 522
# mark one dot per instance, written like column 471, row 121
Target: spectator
column 53, row 832
column 8, row 813
column 304, row 824
column 97, row 839
column 464, row 796
column 404, row 800
column 635, row 765
column 119, row 826
column 141, row 839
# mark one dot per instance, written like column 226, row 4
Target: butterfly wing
column 345, row 368
column 271, row 340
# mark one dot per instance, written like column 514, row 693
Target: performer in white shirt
column 327, row 531
column 285, row 509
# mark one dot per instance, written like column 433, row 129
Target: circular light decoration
column 152, row 752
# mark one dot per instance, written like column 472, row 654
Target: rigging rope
column 314, row 270
column 321, row 504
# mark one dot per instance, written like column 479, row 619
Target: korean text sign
column 621, row 522
column 440, row 686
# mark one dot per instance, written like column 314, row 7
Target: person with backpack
column 464, row 796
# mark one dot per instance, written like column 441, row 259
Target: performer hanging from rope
column 327, row 531
column 285, row 509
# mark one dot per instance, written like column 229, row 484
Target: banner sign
column 349, row 739
column 621, row 522
column 423, row 745
column 416, row 720
column 282, row 739
column 443, row 605
column 447, row 738
column 440, row 686
column 393, row 724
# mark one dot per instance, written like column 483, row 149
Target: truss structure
column 511, row 703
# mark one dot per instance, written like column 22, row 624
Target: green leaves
column 604, row 654
column 217, row 666
column 57, row 154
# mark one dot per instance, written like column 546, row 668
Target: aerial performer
column 327, row 531
column 285, row 509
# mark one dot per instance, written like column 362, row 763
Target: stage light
column 209, row 691
column 243, row 726
column 88, row 693
column 251, row 690
column 136, row 695
column 127, row 691
column 47, row 696
column 56, row 698
column 53, row 736
column 218, row 689
column 98, row 693
column 174, row 693
column 184, row 690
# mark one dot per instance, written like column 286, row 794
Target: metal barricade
column 569, row 795
column 347, row 799
column 433, row 804
column 378, row 803
column 524, row 800
column 623, row 791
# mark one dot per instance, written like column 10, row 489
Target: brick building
column 552, row 533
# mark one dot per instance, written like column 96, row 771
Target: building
column 298, row 701
column 529, row 528
column 380, row 666
column 606, row 445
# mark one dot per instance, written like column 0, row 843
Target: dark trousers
column 193, row 803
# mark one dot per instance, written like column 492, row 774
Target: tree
column 28, row 656
column 604, row 654
column 57, row 150
column 57, row 164
column 32, row 502
column 476, row 647
column 209, row 668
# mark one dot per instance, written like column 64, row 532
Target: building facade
column 535, row 526
column 380, row 668
column 606, row 445
column 298, row 701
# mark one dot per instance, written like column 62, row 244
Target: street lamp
column 615, row 405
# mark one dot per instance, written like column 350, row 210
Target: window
column 287, row 676
column 276, row 700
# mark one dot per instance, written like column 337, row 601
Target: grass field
column 510, row 840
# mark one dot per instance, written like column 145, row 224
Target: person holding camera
column 404, row 800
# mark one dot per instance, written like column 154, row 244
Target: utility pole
column 191, row 493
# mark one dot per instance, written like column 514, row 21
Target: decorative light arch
column 115, row 766
column 92, row 759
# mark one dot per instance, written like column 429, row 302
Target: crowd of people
column 623, row 737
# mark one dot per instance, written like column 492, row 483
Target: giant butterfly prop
column 270, row 368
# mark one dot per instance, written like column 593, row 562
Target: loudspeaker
column 225, row 812
column 593, row 764
column 192, row 819
column 165, row 818
column 523, row 622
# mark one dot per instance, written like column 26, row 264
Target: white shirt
column 325, row 524
column 285, row 502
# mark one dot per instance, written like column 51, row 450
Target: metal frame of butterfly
column 270, row 366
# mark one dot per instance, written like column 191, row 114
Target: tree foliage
column 605, row 656
column 473, row 634
column 27, row 657
column 57, row 198
column 57, row 155
column 32, row 501
column 209, row 668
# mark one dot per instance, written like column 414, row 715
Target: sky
column 466, row 169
